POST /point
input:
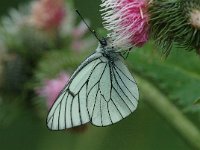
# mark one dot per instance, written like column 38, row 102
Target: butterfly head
column 106, row 44
column 103, row 42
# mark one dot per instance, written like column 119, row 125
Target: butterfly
column 101, row 91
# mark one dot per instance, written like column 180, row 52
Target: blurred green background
column 145, row 129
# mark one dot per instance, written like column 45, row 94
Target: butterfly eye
column 103, row 42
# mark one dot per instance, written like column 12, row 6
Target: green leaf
column 178, row 76
column 197, row 101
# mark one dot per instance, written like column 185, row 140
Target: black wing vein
column 123, row 92
column 125, row 85
column 124, row 74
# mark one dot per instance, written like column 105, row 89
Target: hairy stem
column 167, row 110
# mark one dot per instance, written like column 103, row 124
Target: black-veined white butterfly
column 101, row 91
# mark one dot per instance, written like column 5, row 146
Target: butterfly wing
column 98, row 91
column 70, row 108
column 114, row 96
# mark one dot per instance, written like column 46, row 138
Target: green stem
column 169, row 111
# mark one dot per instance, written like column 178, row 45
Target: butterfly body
column 101, row 91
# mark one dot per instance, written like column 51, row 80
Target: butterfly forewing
column 100, row 91
column 74, row 112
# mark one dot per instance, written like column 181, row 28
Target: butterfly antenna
column 92, row 31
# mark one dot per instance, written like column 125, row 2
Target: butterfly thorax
column 109, row 52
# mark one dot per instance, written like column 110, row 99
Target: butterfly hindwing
column 116, row 97
column 100, row 91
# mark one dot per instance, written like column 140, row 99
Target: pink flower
column 80, row 30
column 47, row 14
column 79, row 43
column 52, row 88
column 127, row 20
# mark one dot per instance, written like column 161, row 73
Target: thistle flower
column 51, row 88
column 12, row 24
column 127, row 20
column 80, row 30
column 195, row 18
column 47, row 14
column 15, row 20
column 176, row 23
column 80, row 43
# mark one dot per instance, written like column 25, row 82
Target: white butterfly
column 101, row 91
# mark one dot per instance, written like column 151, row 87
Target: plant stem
column 167, row 110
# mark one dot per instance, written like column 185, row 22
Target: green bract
column 171, row 24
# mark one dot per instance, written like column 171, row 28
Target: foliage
column 32, row 56
column 197, row 101
column 174, row 76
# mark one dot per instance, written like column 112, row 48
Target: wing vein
column 59, row 117
column 56, row 106
column 88, row 78
column 97, row 90
column 109, row 114
column 71, row 111
column 94, row 104
column 101, row 112
column 124, row 74
column 86, row 104
column 52, row 122
column 123, row 100
column 122, row 92
column 80, row 110
column 97, row 81
column 81, row 66
column 117, row 108
column 65, row 111
column 125, row 86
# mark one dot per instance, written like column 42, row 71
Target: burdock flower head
column 79, row 41
column 47, row 14
column 176, row 24
column 51, row 88
column 195, row 18
column 127, row 21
